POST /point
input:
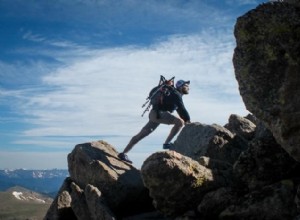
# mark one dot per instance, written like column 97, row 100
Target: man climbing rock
column 161, row 113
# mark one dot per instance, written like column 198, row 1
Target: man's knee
column 179, row 122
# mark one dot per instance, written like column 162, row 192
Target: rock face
column 267, row 67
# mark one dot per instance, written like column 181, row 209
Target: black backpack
column 158, row 93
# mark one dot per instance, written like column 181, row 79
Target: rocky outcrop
column 97, row 163
column 267, row 67
column 99, row 185
column 172, row 185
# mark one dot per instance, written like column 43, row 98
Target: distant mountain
column 19, row 203
column 41, row 181
column 23, row 194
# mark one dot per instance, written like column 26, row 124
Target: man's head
column 183, row 86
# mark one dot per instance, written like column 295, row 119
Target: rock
column 213, row 203
column 61, row 206
column 252, row 118
column 214, row 164
column 267, row 67
column 219, row 168
column 96, row 204
column 294, row 2
column 264, row 162
column 156, row 215
column 74, row 203
column 273, row 202
column 241, row 126
column 88, row 204
column 176, row 182
column 297, row 199
column 97, row 164
column 100, row 186
column 214, row 141
column 79, row 203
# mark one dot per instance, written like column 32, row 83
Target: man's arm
column 181, row 110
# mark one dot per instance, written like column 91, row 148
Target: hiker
column 162, row 114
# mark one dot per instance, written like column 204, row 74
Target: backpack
column 158, row 93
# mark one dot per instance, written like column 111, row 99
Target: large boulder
column 267, row 67
column 213, row 141
column 97, row 163
column 176, row 182
column 100, row 179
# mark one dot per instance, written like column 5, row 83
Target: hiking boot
column 168, row 146
column 124, row 157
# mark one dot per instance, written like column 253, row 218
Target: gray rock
column 96, row 204
column 267, row 68
column 74, row 203
column 97, row 164
column 79, row 203
column 241, row 126
column 88, row 204
column 176, row 182
column 214, row 141
column 61, row 206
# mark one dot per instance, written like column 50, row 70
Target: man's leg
column 168, row 118
column 146, row 130
column 178, row 124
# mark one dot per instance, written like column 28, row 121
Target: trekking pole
column 147, row 109
column 148, row 100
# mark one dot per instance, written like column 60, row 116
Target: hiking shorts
column 165, row 117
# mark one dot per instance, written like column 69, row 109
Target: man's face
column 185, row 89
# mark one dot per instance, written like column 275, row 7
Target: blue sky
column 74, row 71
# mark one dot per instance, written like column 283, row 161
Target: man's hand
column 187, row 122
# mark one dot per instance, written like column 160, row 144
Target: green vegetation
column 14, row 209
